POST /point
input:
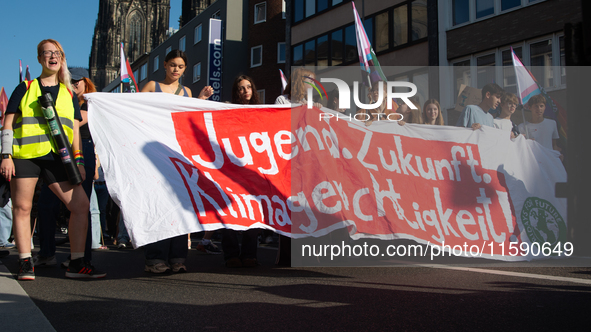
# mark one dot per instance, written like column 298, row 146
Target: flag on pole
column 20, row 70
column 370, row 66
column 528, row 86
column 27, row 74
column 283, row 81
column 3, row 104
column 126, row 73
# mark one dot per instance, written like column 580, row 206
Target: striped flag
column 126, row 73
column 527, row 86
column 3, row 104
column 20, row 70
column 283, row 81
column 370, row 66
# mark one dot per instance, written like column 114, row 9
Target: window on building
column 198, row 34
column 260, row 12
column 461, row 11
column 196, row 72
column 485, row 70
column 136, row 75
column 261, row 95
column 541, row 62
column 485, row 8
column 281, row 52
column 400, row 25
column 350, row 44
column 302, row 9
column 322, row 5
column 310, row 7
column 298, row 10
column 508, row 4
column 562, row 60
column 283, row 9
column 461, row 75
column 382, row 32
column 217, row 15
column 156, row 63
column 336, row 47
column 322, row 51
column 298, row 55
column 182, row 43
column 135, row 36
column 419, row 19
column 256, row 56
column 168, row 49
column 310, row 53
column 144, row 70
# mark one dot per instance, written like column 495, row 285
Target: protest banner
column 178, row 165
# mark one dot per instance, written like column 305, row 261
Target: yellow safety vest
column 32, row 137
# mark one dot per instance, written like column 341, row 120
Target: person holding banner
column 381, row 112
column 175, row 64
column 474, row 116
column 432, row 113
column 410, row 115
column 28, row 152
column 297, row 88
column 540, row 129
column 509, row 104
column 173, row 250
column 244, row 92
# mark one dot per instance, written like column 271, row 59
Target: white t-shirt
column 543, row 132
column 504, row 124
column 282, row 99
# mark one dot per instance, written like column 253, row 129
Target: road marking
column 509, row 273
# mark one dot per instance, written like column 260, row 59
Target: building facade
column 140, row 24
column 322, row 34
column 476, row 37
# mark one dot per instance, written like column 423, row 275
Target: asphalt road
column 211, row 297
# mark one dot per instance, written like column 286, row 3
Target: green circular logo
column 542, row 222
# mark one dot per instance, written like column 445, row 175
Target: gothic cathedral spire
column 140, row 24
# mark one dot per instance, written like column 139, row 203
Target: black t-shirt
column 21, row 89
column 19, row 93
column 84, row 131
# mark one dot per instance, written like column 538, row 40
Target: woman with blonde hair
column 432, row 113
column 29, row 151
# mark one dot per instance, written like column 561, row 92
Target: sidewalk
column 19, row 313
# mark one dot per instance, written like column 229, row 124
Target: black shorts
column 51, row 170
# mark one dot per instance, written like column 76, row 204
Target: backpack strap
column 178, row 90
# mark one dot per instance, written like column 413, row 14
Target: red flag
column 132, row 83
column 126, row 72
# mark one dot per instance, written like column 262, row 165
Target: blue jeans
column 102, row 196
column 95, row 221
column 5, row 223
column 122, row 236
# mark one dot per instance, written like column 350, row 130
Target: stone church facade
column 140, row 24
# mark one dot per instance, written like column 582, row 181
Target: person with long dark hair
column 244, row 92
column 174, row 250
column 29, row 151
